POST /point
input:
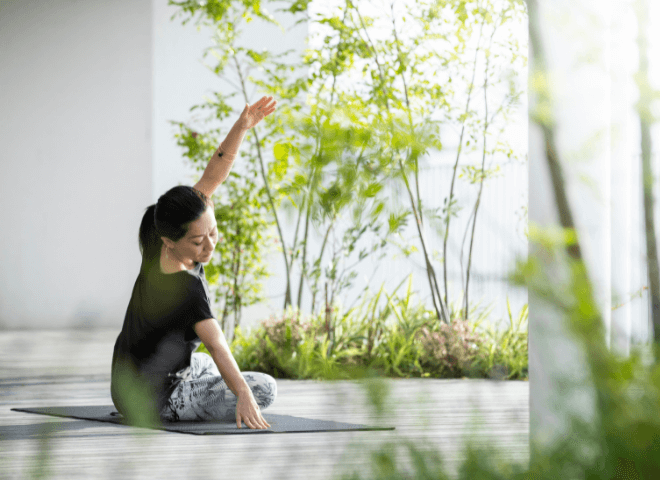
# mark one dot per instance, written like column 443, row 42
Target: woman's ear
column 168, row 243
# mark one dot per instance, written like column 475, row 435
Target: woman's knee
column 203, row 365
column 263, row 386
column 272, row 385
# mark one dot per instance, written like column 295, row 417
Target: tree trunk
column 325, row 240
column 295, row 234
column 458, row 156
column 441, row 311
column 237, row 269
column 225, row 312
column 304, row 255
column 287, row 294
column 481, row 183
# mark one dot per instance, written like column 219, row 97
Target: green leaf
column 281, row 151
column 373, row 189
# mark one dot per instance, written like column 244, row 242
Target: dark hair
column 170, row 218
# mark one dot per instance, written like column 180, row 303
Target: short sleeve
column 197, row 306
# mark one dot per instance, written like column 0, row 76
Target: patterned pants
column 202, row 394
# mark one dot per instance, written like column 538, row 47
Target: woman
column 155, row 374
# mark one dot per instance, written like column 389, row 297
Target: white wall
column 179, row 81
column 75, row 158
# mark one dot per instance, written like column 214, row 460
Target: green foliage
column 303, row 147
column 137, row 398
column 397, row 339
column 359, row 110
column 216, row 12
column 504, row 352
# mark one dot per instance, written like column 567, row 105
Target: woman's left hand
column 252, row 115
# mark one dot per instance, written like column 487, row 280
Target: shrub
column 286, row 331
column 270, row 348
column 411, row 344
column 450, row 350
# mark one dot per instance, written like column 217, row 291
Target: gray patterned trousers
column 202, row 393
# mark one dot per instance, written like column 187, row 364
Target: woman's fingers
column 270, row 107
column 264, row 104
column 268, row 110
column 260, row 421
column 249, row 423
column 254, row 421
column 256, row 112
column 243, row 419
column 257, row 422
column 265, row 423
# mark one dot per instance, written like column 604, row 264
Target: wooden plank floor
column 51, row 368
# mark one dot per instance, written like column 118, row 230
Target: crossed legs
column 204, row 395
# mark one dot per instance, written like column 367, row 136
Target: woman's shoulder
column 196, row 275
column 196, row 281
column 154, row 275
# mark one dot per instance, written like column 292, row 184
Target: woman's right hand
column 247, row 409
column 248, row 412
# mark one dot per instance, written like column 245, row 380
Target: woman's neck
column 171, row 264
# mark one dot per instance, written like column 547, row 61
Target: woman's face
column 199, row 243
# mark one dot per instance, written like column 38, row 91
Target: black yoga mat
column 278, row 423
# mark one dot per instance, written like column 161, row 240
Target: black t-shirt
column 158, row 339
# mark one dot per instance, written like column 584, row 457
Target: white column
column 559, row 382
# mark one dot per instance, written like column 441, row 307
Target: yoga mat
column 278, row 423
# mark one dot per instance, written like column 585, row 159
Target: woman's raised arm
column 217, row 170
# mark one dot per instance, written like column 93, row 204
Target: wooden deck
column 72, row 368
